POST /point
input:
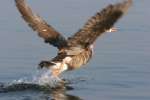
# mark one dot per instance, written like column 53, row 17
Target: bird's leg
column 113, row 29
column 45, row 64
column 56, row 71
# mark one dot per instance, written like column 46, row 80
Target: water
column 119, row 69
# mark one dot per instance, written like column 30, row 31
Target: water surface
column 119, row 69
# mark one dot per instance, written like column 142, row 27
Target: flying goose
column 77, row 49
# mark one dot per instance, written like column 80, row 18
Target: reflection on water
column 42, row 92
column 42, row 86
column 60, row 94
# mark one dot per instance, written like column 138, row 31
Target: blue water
column 119, row 70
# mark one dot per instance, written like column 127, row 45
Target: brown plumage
column 47, row 32
column 98, row 24
column 77, row 49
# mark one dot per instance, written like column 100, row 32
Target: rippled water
column 119, row 70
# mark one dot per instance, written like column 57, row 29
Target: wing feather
column 98, row 24
column 47, row 32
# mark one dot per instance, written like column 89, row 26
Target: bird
column 76, row 50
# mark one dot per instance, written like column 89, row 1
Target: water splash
column 45, row 78
column 42, row 77
column 42, row 81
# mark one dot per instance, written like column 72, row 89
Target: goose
column 76, row 50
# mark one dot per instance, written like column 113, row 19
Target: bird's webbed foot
column 45, row 64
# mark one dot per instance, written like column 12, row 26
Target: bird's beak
column 113, row 29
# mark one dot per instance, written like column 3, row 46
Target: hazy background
column 120, row 68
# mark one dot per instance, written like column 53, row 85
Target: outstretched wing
column 98, row 24
column 47, row 32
